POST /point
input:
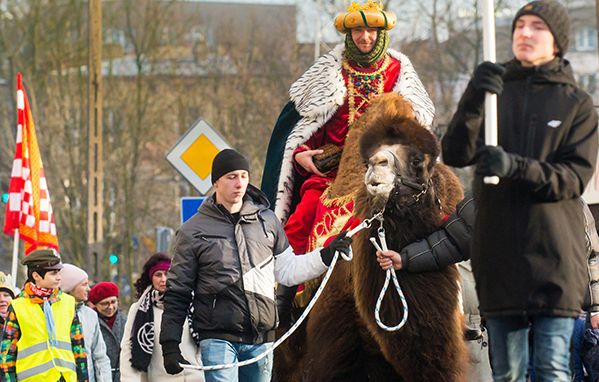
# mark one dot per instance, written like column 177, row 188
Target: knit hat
column 159, row 266
column 71, row 277
column 6, row 284
column 103, row 290
column 226, row 161
column 555, row 16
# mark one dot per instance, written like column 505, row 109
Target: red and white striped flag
column 28, row 209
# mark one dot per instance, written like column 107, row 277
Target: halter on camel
column 421, row 189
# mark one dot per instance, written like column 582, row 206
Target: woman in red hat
column 104, row 298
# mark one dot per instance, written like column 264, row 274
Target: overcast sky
column 409, row 15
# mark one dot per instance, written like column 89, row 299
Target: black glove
column 493, row 160
column 488, row 77
column 340, row 243
column 172, row 358
column 285, row 296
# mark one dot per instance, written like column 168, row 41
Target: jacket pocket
column 204, row 306
column 214, row 298
column 206, row 237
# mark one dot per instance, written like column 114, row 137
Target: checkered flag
column 28, row 209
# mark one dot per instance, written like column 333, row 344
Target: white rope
column 389, row 274
column 365, row 224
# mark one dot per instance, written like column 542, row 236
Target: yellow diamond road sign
column 193, row 154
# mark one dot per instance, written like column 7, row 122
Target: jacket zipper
column 524, row 148
column 531, row 136
column 254, row 328
column 208, row 237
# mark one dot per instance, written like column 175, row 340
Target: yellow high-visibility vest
column 37, row 359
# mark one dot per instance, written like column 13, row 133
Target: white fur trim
column 321, row 89
column 412, row 89
column 317, row 95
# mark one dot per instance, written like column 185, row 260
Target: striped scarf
column 46, row 297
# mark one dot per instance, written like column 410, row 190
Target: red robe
column 315, row 220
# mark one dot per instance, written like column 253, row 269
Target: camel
column 340, row 341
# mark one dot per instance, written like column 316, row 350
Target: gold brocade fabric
column 332, row 215
column 362, row 87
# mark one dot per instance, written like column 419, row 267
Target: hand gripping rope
column 390, row 274
column 365, row 224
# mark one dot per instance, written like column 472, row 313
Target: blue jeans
column 577, row 338
column 508, row 344
column 217, row 352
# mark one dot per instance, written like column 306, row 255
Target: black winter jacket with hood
column 528, row 250
column 231, row 266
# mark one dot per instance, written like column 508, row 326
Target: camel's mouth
column 380, row 175
column 376, row 188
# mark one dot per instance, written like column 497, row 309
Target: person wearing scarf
column 104, row 297
column 22, row 335
column 75, row 282
column 7, row 294
column 141, row 355
column 324, row 104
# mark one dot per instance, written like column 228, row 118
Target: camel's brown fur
column 341, row 341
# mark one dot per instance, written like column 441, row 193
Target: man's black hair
column 41, row 272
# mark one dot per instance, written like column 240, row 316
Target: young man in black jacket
column 528, row 249
column 230, row 254
column 451, row 244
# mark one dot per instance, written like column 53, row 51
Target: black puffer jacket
column 528, row 250
column 231, row 266
column 451, row 244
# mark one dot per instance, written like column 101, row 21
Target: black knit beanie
column 226, row 161
column 555, row 16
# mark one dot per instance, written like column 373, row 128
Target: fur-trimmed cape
column 314, row 98
column 341, row 340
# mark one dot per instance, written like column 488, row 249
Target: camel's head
column 399, row 154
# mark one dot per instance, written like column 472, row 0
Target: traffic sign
column 189, row 206
column 193, row 154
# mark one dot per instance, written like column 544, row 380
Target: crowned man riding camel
column 311, row 130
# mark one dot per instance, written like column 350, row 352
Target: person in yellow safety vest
column 43, row 339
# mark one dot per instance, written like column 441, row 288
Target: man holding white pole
column 529, row 247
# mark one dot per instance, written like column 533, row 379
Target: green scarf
column 366, row 59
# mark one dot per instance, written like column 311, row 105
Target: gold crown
column 369, row 5
column 369, row 15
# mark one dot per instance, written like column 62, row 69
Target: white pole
column 490, row 99
column 318, row 30
column 15, row 258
